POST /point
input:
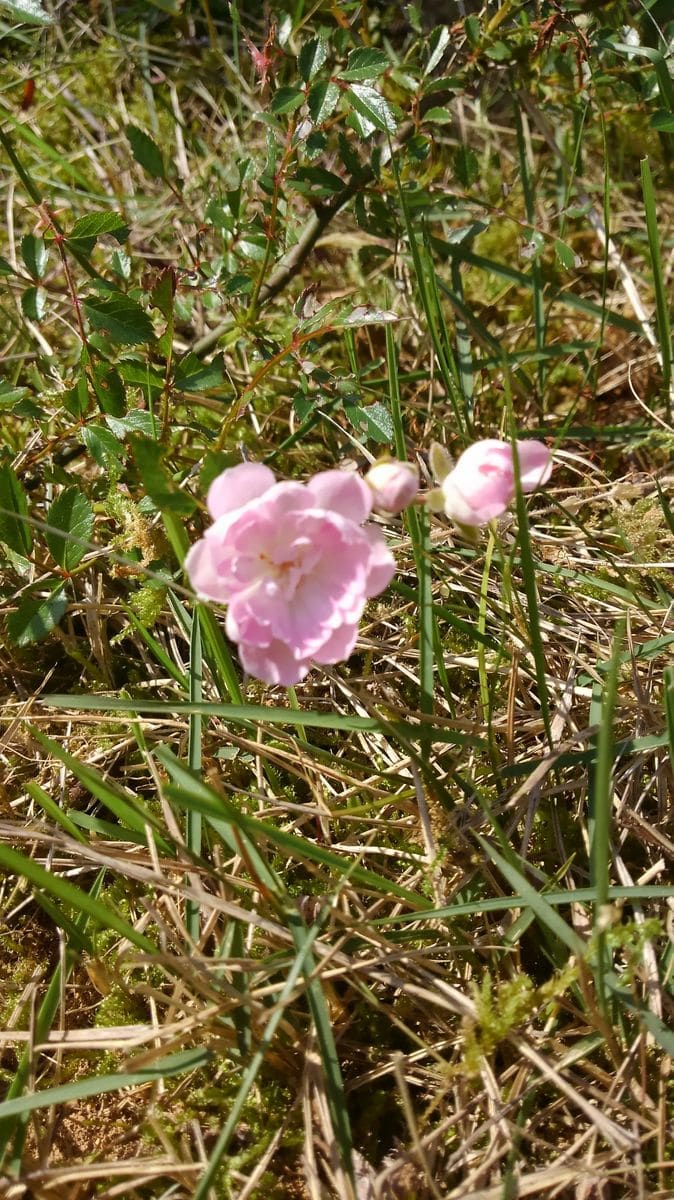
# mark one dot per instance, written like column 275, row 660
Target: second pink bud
column 394, row 484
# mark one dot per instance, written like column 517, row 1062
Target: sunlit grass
column 403, row 930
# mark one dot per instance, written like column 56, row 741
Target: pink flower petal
column 202, row 569
column 458, row 508
column 394, row 484
column 482, row 484
column 339, row 645
column 274, row 663
column 236, row 486
column 296, row 565
column 342, row 492
column 381, row 565
column 535, row 464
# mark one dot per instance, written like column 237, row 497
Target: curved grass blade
column 97, row 1085
column 62, row 889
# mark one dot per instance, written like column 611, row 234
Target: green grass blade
column 332, row 1074
column 132, row 814
column 106, row 916
column 252, row 1070
column 428, row 294
column 419, row 527
column 156, row 649
column 557, row 899
column 187, row 789
column 600, row 804
column 194, row 754
column 660, row 289
column 97, row 1085
column 247, row 713
column 669, row 707
column 531, row 592
column 529, row 190
column 17, row 1126
column 54, row 811
column 539, row 904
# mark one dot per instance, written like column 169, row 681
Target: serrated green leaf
column 76, row 399
column 192, row 375
column 371, row 105
column 499, row 52
column 30, row 11
column 34, row 303
column 663, row 121
column 6, row 268
column 565, row 254
column 96, row 224
column 15, row 531
column 437, row 44
column 120, row 318
column 72, row 514
column 102, row 445
column 360, row 124
column 138, row 420
column 439, row 116
column 140, row 375
column 316, row 181
column 253, row 245
column 311, row 58
column 365, row 63
column 322, row 102
column 9, row 395
column 286, row 100
column 238, row 285
column 35, row 618
column 109, row 388
column 374, row 420
column 120, row 263
column 472, row 28
column 146, row 152
column 34, row 254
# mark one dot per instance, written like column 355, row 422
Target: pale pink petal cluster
column 394, row 484
column 296, row 564
column 482, row 484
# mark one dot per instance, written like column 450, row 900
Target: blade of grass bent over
column 96, row 1085
column 107, row 917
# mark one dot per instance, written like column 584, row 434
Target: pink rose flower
column 394, row 484
column 295, row 563
column 482, row 484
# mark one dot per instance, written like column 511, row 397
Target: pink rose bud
column 296, row 563
column 394, row 484
column 482, row 484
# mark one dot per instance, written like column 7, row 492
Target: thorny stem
column 59, row 239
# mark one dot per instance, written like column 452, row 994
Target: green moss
column 501, row 1007
column 119, row 1007
column 209, row 1102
